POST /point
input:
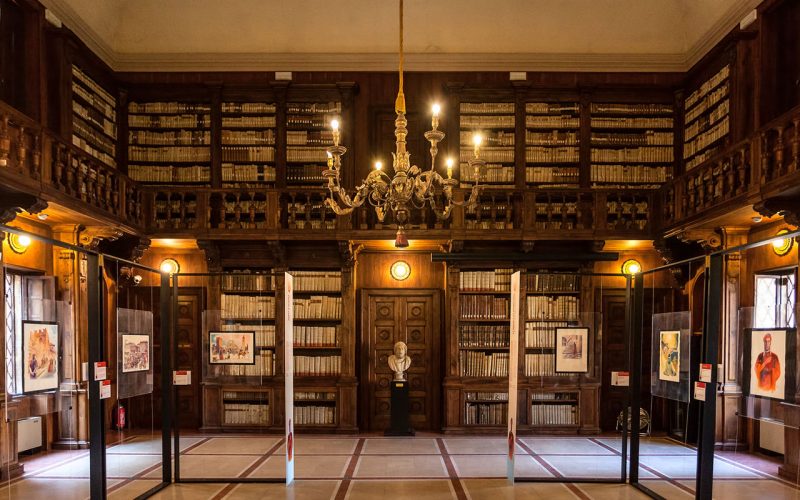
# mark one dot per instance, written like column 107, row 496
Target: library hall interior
column 401, row 249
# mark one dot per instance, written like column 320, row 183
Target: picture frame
column 136, row 353
column 572, row 350
column 669, row 358
column 40, row 351
column 231, row 347
column 769, row 377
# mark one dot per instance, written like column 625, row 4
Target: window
column 776, row 297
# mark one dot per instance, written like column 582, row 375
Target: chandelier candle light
column 410, row 187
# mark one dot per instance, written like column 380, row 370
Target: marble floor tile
column 650, row 446
column 299, row 490
column 184, row 491
column 400, row 490
column 685, row 467
column 495, row 466
column 478, row 446
column 147, row 444
column 122, row 466
column 588, row 466
column 561, row 446
column 667, row 489
column 305, row 445
column 417, row 466
column 755, row 489
column 133, row 489
column 499, row 489
column 305, row 467
column 235, row 446
column 400, row 446
column 212, row 466
column 611, row 491
column 62, row 489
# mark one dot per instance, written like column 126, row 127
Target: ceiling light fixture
column 400, row 270
column 409, row 188
column 19, row 243
column 783, row 246
column 631, row 267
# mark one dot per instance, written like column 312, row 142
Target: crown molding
column 86, row 33
column 719, row 30
column 423, row 62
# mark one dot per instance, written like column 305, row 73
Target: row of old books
column 550, row 282
column 715, row 116
column 553, row 138
column 248, row 121
column 563, row 121
column 250, row 137
column 489, row 154
column 167, row 107
column 542, row 334
column 484, row 307
column 96, row 117
column 552, row 108
column 488, row 224
column 247, row 173
column 248, row 107
column 264, row 366
column 305, row 173
column 168, row 173
column 95, row 148
column 486, row 396
column 552, row 155
column 494, row 138
column 542, row 307
column 314, row 396
column 248, row 306
column 495, row 174
column 498, row 280
column 306, row 153
column 549, row 414
column 706, row 87
column 317, row 281
column 641, row 154
column 309, row 137
column 248, row 153
column 486, row 414
column 632, row 109
column 631, row 173
column 170, row 138
column 248, row 281
column 173, row 153
column 483, row 364
column 472, row 335
column 315, row 336
column 170, row 121
column 245, row 414
column 539, row 364
column 478, row 122
column 713, row 134
column 626, row 122
column 314, row 107
column 644, row 138
column 568, row 175
column 318, row 307
column 265, row 334
column 318, row 366
column 96, row 95
column 314, row 415
column 709, row 101
column 487, row 107
column 93, row 137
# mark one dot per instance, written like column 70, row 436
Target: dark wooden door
column 614, row 349
column 411, row 316
column 189, row 355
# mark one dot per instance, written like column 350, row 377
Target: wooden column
column 9, row 464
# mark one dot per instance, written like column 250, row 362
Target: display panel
column 671, row 356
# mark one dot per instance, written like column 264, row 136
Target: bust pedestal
column 400, row 422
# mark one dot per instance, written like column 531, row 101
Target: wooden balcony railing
column 37, row 161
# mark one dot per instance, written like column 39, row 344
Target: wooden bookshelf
column 247, row 154
column 552, row 144
column 94, row 118
column 706, row 119
column 169, row 142
column 631, row 145
column 495, row 121
column 308, row 134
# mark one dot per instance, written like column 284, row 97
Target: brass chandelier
column 410, row 187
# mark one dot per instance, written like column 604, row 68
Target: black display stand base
column 400, row 424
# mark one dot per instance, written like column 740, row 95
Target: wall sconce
column 631, row 267
column 784, row 246
column 400, row 270
column 19, row 243
column 170, row 266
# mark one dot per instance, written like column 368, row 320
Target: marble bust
column 398, row 361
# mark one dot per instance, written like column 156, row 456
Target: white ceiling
column 286, row 35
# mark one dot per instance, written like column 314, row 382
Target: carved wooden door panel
column 189, row 356
column 410, row 316
column 612, row 399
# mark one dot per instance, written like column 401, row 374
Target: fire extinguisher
column 119, row 417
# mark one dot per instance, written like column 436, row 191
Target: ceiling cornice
column 581, row 62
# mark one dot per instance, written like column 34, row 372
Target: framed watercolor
column 39, row 356
column 135, row 353
column 669, row 356
column 231, row 348
column 769, row 362
column 572, row 350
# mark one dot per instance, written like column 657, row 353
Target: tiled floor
column 373, row 467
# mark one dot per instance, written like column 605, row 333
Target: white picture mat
column 46, row 379
column 778, row 348
column 136, row 339
column 567, row 360
column 667, row 353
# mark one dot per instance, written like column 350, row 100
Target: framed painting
column 231, row 348
column 40, row 356
column 572, row 350
column 135, row 353
column 769, row 362
column 669, row 358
